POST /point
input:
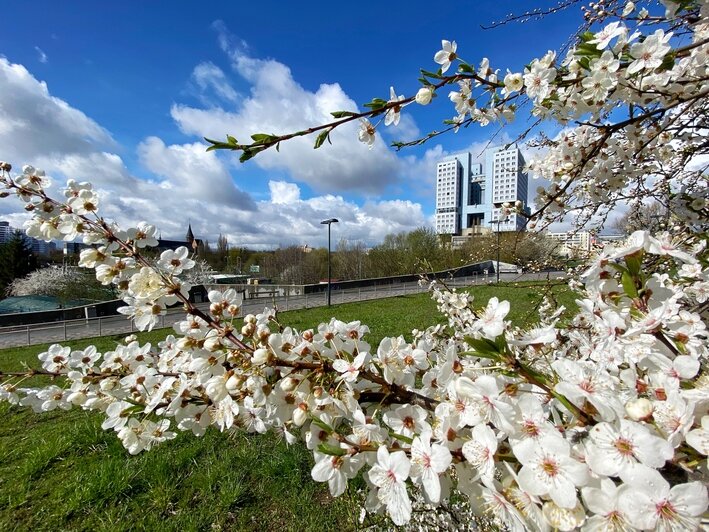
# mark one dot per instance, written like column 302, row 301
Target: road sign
column 255, row 268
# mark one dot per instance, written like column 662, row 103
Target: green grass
column 61, row 471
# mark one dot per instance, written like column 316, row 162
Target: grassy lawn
column 60, row 471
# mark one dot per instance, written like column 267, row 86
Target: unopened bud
column 5, row 166
column 639, row 409
column 289, row 384
column 259, row 357
column 300, row 415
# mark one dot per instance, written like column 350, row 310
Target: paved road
column 114, row 325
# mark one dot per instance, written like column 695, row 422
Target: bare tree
column 652, row 217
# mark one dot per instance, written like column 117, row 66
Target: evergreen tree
column 16, row 260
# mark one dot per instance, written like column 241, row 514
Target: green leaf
column 376, row 103
column 628, row 283
column 634, row 262
column 483, row 344
column 465, row 67
column 401, row 437
column 342, row 114
column 260, row 137
column 321, row 138
column 324, row 426
column 480, row 354
column 331, row 450
column 667, row 62
column 428, row 74
column 586, row 36
column 231, row 139
column 249, row 153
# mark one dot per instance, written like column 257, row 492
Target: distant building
column 470, row 195
column 39, row 247
column 6, row 232
column 576, row 244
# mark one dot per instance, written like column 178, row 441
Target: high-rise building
column 6, row 232
column 39, row 247
column 469, row 195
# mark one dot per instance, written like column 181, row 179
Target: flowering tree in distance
column 596, row 421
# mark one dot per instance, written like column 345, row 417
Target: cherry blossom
column 446, row 55
column 607, row 400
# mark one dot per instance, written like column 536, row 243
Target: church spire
column 190, row 234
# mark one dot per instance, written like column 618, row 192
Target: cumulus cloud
column 278, row 104
column 190, row 170
column 33, row 122
column 211, row 80
column 184, row 183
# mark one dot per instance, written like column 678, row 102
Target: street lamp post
column 497, row 268
column 329, row 222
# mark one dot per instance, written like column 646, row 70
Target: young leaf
column 260, row 137
column 331, row 450
column 321, row 138
column 342, row 114
column 629, row 285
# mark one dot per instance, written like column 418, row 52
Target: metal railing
column 59, row 331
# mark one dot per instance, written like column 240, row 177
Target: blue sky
column 122, row 96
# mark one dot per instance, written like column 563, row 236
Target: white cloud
column 210, row 79
column 186, row 183
column 41, row 56
column 192, row 171
column 277, row 104
column 283, row 192
column 33, row 122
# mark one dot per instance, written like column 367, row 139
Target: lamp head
column 330, row 221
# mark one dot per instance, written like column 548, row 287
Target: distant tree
column 200, row 274
column 16, row 260
column 64, row 284
column 651, row 217
column 219, row 257
column 239, row 258
column 407, row 252
column 296, row 265
column 350, row 260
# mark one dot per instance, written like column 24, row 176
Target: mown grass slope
column 61, row 471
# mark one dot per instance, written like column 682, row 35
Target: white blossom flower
column 366, row 132
column 513, row 83
column 548, row 469
column 699, row 438
column 428, row 461
column 175, row 262
column 336, row 470
column 603, row 38
column 649, row 53
column 389, row 474
column 393, row 114
column 350, row 370
column 653, row 505
column 480, row 451
column 537, row 80
column 617, row 452
column 446, row 55
column 604, row 501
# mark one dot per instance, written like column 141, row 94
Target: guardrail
column 19, row 335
